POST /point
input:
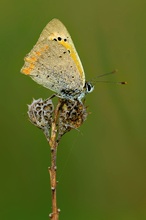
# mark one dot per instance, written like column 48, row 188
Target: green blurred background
column 101, row 168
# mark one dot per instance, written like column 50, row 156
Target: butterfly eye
column 89, row 87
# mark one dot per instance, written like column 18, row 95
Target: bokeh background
column 101, row 167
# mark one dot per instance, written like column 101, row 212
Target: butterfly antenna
column 106, row 74
column 122, row 82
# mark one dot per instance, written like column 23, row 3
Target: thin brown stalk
column 53, row 168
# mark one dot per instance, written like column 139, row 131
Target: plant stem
column 52, row 170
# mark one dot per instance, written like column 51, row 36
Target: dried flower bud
column 40, row 114
column 72, row 115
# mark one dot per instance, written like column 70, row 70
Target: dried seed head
column 72, row 115
column 40, row 114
